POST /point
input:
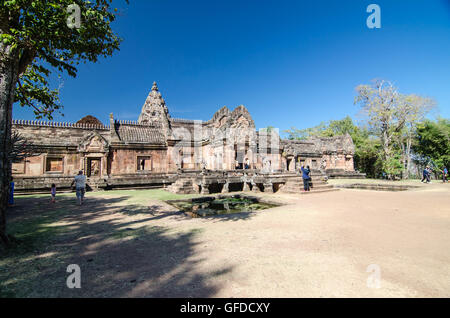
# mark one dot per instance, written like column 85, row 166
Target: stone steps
column 182, row 186
column 295, row 185
column 298, row 188
column 319, row 191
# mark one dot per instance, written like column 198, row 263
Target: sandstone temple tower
column 155, row 112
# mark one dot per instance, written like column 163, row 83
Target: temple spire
column 155, row 112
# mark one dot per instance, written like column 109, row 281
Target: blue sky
column 291, row 63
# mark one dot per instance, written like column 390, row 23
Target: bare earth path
column 318, row 245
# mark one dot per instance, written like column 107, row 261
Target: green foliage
column 367, row 154
column 432, row 143
column 393, row 165
column 324, row 129
column 39, row 35
column 302, row 134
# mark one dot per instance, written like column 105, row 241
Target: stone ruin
column 225, row 153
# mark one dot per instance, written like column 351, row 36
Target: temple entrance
column 93, row 167
column 288, row 164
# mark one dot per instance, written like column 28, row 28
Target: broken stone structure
column 222, row 154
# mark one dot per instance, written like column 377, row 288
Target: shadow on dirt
column 118, row 255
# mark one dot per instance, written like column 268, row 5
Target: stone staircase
column 95, row 184
column 319, row 184
column 182, row 186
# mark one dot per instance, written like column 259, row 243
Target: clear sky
column 291, row 63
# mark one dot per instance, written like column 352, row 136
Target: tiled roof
column 140, row 134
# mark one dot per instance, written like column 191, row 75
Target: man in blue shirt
column 444, row 174
column 425, row 174
column 305, row 175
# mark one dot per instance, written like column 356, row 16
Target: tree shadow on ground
column 237, row 216
column 119, row 255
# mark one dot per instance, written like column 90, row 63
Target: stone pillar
column 205, row 189
column 246, row 187
column 268, row 187
column 255, row 188
column 226, row 188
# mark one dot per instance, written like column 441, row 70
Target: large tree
column 392, row 116
column 379, row 102
column 36, row 38
column 412, row 109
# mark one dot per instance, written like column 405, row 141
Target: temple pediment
column 94, row 142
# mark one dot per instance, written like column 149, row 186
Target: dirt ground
column 317, row 245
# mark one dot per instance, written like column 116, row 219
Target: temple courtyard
column 131, row 243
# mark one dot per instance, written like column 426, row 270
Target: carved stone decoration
column 94, row 142
column 266, row 165
column 155, row 112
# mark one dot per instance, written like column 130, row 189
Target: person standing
column 80, row 186
column 425, row 175
column 247, row 163
column 305, row 177
column 11, row 192
column 444, row 174
column 429, row 174
column 53, row 193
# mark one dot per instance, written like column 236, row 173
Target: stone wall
column 125, row 161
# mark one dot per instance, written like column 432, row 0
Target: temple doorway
column 93, row 167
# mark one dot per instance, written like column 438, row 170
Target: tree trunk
column 404, row 170
column 9, row 69
column 408, row 154
column 386, row 154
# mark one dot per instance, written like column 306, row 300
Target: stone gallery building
column 157, row 151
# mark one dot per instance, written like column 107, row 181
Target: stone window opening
column 144, row 163
column 19, row 167
column 54, row 165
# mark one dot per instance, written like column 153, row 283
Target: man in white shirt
column 80, row 186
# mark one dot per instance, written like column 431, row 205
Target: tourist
column 11, row 192
column 80, row 186
column 305, row 176
column 53, row 192
column 310, row 185
column 429, row 174
column 247, row 163
column 444, row 174
column 425, row 175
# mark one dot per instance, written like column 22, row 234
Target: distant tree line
column 395, row 140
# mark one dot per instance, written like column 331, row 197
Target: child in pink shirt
column 53, row 192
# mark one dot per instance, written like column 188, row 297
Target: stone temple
column 225, row 153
